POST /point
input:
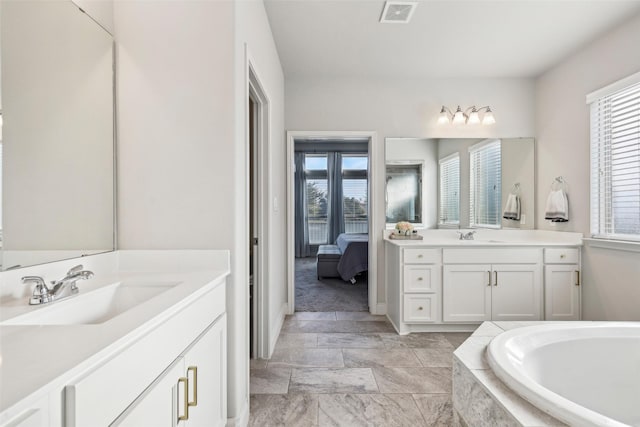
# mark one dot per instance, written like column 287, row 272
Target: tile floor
column 352, row 369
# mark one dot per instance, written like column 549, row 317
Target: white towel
column 557, row 207
column 512, row 208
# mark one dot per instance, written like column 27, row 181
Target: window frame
column 476, row 148
column 442, row 223
column 603, row 186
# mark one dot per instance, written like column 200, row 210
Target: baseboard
column 242, row 420
column 380, row 309
column 276, row 328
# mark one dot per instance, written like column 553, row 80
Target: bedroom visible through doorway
column 331, row 197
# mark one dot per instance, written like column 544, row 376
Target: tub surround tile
column 291, row 410
column 270, row 381
column 474, row 404
column 472, row 352
column 306, row 357
column 527, row 414
column 456, row 338
column 434, row 357
column 298, row 326
column 437, row 409
column 348, row 340
column 413, row 380
column 296, row 340
column 322, row 380
column 416, row 340
column 360, row 316
column 353, row 410
column 365, row 358
column 487, row 329
column 314, row 315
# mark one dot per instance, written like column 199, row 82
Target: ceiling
column 445, row 38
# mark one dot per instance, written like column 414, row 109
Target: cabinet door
column 160, row 405
column 205, row 365
column 466, row 293
column 562, row 292
column 420, row 308
column 421, row 278
column 517, row 292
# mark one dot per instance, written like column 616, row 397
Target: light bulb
column 474, row 117
column 443, row 117
column 458, row 117
column 488, row 118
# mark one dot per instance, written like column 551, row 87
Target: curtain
column 302, row 248
column 336, row 209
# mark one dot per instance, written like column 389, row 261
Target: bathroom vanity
column 144, row 342
column 442, row 283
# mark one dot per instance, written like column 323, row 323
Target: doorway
column 336, row 289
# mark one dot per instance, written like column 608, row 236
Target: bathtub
column 582, row 373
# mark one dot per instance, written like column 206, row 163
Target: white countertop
column 490, row 238
column 33, row 357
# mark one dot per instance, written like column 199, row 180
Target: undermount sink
column 93, row 307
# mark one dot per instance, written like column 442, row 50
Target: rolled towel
column 557, row 207
column 512, row 208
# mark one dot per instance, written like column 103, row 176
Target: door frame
column 374, row 171
column 255, row 90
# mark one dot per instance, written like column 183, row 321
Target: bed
column 355, row 254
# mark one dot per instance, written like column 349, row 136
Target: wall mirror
column 466, row 182
column 57, row 141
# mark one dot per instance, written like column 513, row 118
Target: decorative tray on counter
column 394, row 236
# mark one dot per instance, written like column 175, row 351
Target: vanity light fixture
column 469, row 116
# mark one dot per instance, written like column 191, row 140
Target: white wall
column 183, row 164
column 405, row 108
column 610, row 279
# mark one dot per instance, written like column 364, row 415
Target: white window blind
column 450, row 190
column 615, row 164
column 485, row 191
column 316, row 194
column 354, row 193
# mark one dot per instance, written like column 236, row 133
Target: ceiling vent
column 397, row 12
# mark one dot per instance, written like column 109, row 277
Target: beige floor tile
column 456, row 338
column 347, row 380
column 306, row 357
column 435, row 357
column 270, row 381
column 413, row 380
column 360, row 316
column 436, row 409
column 314, row 315
column 297, row 340
column 291, row 410
column 350, row 340
column 367, row 358
column 354, row 410
column 416, row 340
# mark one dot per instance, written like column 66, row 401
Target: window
column 615, row 161
column 316, row 197
column 354, row 193
column 450, row 190
column 404, row 193
column 485, row 186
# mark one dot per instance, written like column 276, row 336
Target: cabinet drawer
column 491, row 256
column 421, row 278
column 420, row 308
column 562, row 256
column 421, row 256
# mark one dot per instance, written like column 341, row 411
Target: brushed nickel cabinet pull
column 577, row 277
column 420, row 308
column 185, row 407
column 496, row 281
column 420, row 279
column 489, row 272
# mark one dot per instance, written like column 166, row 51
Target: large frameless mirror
column 57, row 138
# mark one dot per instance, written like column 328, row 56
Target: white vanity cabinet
column 141, row 381
column 414, row 286
column 491, row 284
column 190, row 392
column 562, row 284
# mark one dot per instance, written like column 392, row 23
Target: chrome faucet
column 62, row 288
column 466, row 236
